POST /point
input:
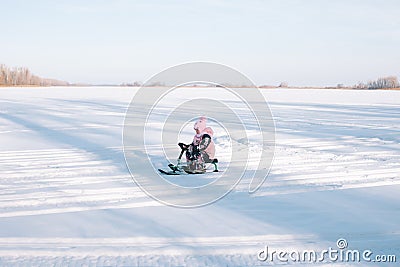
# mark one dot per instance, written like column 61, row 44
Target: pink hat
column 209, row 131
column 200, row 124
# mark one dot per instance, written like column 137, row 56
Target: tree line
column 22, row 76
column 388, row 82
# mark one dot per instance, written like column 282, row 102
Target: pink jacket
column 210, row 148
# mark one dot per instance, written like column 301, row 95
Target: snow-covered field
column 67, row 198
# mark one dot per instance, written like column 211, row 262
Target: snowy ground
column 66, row 196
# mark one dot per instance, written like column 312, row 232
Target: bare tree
column 384, row 82
column 361, row 85
column 283, row 85
column 22, row 76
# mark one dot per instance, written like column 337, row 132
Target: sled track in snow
column 69, row 180
column 63, row 180
column 303, row 165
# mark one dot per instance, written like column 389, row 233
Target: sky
column 301, row 42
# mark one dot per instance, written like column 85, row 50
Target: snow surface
column 67, row 198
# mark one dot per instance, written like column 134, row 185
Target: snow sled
column 196, row 166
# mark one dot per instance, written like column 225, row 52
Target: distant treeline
column 21, row 76
column 389, row 82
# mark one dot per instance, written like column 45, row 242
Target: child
column 202, row 149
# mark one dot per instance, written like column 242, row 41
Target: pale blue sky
column 303, row 42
